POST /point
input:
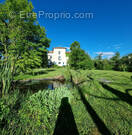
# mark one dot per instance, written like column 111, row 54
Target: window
column 50, row 57
column 59, row 58
column 63, row 63
column 59, row 52
column 59, row 62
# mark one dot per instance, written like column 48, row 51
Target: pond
column 36, row 85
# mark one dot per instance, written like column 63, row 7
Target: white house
column 58, row 56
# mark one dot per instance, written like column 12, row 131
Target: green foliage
column 5, row 77
column 4, row 110
column 44, row 57
column 8, row 105
column 38, row 113
column 122, row 63
column 126, row 63
column 67, row 54
column 29, row 61
column 21, row 38
column 78, row 59
column 115, row 63
column 103, row 64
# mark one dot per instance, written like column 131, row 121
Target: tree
column 86, row 62
column 130, row 62
column 116, row 57
column 115, row 60
column 74, row 45
column 78, row 59
column 99, row 57
column 44, row 57
column 21, row 38
column 102, row 64
column 126, row 63
column 98, row 62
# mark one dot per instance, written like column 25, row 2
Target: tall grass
column 5, row 76
column 37, row 113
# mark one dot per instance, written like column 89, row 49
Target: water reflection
column 36, row 85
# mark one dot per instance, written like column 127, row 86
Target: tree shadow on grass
column 65, row 124
column 40, row 72
column 127, row 91
column 105, row 98
column 110, row 99
column 123, row 96
column 99, row 123
column 44, row 71
column 50, row 70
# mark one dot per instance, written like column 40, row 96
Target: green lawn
column 98, row 108
column 107, row 107
column 42, row 73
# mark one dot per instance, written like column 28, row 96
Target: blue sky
column 109, row 31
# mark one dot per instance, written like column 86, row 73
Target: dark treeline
column 117, row 63
column 79, row 59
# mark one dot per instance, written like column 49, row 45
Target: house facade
column 58, row 56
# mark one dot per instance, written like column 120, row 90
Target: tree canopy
column 21, row 38
column 78, row 58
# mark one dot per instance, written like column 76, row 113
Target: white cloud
column 117, row 46
column 106, row 53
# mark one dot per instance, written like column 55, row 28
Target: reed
column 5, row 76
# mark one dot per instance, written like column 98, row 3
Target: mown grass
column 41, row 73
column 109, row 103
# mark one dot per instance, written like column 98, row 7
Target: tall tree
column 20, row 40
column 78, row 58
column 116, row 61
column 21, row 36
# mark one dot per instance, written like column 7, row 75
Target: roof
column 50, row 51
column 67, row 52
column 59, row 48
